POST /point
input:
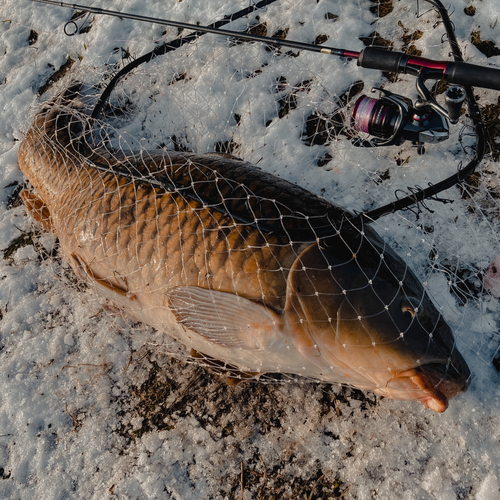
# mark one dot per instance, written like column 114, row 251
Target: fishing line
column 456, row 72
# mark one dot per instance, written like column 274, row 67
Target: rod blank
column 277, row 42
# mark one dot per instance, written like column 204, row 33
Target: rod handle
column 459, row 73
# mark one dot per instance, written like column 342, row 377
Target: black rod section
column 207, row 29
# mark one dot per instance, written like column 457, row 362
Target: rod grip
column 470, row 74
column 459, row 73
column 381, row 59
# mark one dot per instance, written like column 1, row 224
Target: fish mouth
column 431, row 384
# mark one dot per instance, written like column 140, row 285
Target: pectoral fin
column 37, row 209
column 107, row 287
column 227, row 319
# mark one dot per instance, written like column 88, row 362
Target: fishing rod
column 390, row 120
column 371, row 57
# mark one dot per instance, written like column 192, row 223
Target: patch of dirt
column 487, row 47
column 274, row 483
column 281, row 35
column 174, row 389
column 467, row 283
column 331, row 17
column 26, row 238
column 320, row 129
column 56, row 76
column 325, row 160
column 259, row 29
column 374, row 39
column 82, row 16
column 491, row 117
column 439, row 87
column 320, row 39
column 33, row 37
column 14, row 200
column 470, row 10
column 382, row 176
column 227, row 148
column 382, row 7
column 409, row 38
column 288, row 101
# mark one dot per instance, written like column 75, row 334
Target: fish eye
column 410, row 307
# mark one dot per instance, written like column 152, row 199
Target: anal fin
column 233, row 375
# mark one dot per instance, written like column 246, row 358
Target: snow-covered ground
column 94, row 407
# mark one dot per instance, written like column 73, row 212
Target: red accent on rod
column 427, row 63
column 350, row 53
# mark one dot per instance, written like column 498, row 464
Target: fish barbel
column 192, row 260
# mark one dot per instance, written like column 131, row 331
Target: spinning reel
column 393, row 118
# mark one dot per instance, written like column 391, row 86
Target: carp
column 244, row 268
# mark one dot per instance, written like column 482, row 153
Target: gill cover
column 354, row 304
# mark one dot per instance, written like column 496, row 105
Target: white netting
column 155, row 210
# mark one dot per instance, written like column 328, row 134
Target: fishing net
column 169, row 207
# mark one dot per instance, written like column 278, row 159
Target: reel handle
column 453, row 72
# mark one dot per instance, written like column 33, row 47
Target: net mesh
column 189, row 207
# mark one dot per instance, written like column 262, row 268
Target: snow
column 78, row 385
